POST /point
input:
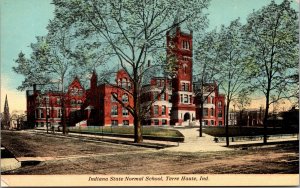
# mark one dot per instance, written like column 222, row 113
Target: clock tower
column 180, row 53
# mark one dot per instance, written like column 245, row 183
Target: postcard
column 149, row 93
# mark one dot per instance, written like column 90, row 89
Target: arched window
column 113, row 97
column 124, row 112
column 73, row 102
column 124, row 83
column 125, row 98
column 129, row 85
column 185, row 68
column 187, row 45
column 120, row 82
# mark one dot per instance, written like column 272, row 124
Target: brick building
column 46, row 108
column 100, row 104
column 178, row 104
column 213, row 105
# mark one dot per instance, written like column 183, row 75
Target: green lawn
column 146, row 131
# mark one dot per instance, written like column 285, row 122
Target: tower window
column 185, row 44
column 184, row 69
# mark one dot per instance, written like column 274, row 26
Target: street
column 72, row 156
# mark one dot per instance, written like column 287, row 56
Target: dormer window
column 124, row 83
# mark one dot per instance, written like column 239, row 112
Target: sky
column 23, row 20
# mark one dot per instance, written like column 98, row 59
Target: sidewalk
column 111, row 139
column 194, row 143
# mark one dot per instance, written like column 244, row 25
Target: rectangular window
column 162, row 97
column 41, row 113
column 114, row 110
column 156, row 122
column 220, row 104
column 125, row 122
column 211, row 112
column 48, row 112
column 164, row 122
column 186, row 99
column 220, row 123
column 181, row 98
column 58, row 101
column 47, row 100
column 220, row 113
column 170, row 98
column 114, row 122
column 124, row 112
column 205, row 122
column 155, row 109
column 169, row 86
column 205, row 112
column 162, row 83
column 182, row 87
column 206, row 100
column 59, row 114
column 211, row 122
column 163, row 110
column 155, row 95
column 186, row 87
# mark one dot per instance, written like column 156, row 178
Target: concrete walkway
column 206, row 143
column 194, row 143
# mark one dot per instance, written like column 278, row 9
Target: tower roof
column 176, row 22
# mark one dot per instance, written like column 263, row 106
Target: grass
column 246, row 131
column 146, row 130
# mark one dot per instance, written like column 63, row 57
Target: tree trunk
column 47, row 117
column 226, row 122
column 201, row 118
column 138, row 137
column 63, row 117
column 267, row 112
column 266, row 121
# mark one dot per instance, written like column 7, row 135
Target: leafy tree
column 233, row 70
column 133, row 31
column 204, row 69
column 31, row 68
column 272, row 46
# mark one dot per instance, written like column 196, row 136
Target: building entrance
column 186, row 116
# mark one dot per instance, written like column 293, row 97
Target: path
column 194, row 143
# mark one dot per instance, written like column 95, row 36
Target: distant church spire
column 6, row 116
